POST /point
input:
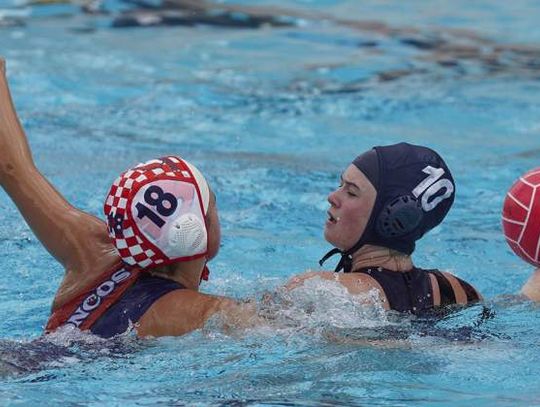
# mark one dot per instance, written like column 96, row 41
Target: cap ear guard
column 399, row 217
column 188, row 235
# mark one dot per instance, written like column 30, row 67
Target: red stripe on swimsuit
column 85, row 309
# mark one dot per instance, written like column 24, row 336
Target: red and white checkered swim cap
column 156, row 213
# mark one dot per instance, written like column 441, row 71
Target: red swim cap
column 156, row 213
column 521, row 217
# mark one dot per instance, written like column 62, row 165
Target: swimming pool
column 272, row 115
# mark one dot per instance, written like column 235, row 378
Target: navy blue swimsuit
column 411, row 291
column 133, row 304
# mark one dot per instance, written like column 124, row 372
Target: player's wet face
column 350, row 208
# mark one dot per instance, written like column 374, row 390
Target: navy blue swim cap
column 415, row 191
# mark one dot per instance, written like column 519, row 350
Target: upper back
column 414, row 290
column 418, row 289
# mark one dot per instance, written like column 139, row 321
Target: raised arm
column 77, row 240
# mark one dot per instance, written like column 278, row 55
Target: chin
column 336, row 242
column 328, row 237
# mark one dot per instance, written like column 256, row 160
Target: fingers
column 2, row 66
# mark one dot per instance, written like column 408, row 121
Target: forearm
column 30, row 191
column 234, row 314
column 42, row 207
column 14, row 149
column 182, row 311
column 74, row 238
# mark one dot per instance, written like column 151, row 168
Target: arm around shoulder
column 182, row 311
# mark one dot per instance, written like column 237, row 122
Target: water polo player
column 389, row 197
column 143, row 267
column 521, row 225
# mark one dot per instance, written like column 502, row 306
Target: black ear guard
column 399, row 217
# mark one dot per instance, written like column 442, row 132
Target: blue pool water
column 272, row 115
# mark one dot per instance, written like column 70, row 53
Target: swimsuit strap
column 83, row 310
column 445, row 288
column 472, row 294
column 133, row 304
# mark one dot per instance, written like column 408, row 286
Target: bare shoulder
column 360, row 283
column 355, row 283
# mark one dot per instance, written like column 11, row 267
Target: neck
column 376, row 256
column 187, row 273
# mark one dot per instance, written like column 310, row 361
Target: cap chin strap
column 345, row 263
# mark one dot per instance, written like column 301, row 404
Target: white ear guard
column 188, row 235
